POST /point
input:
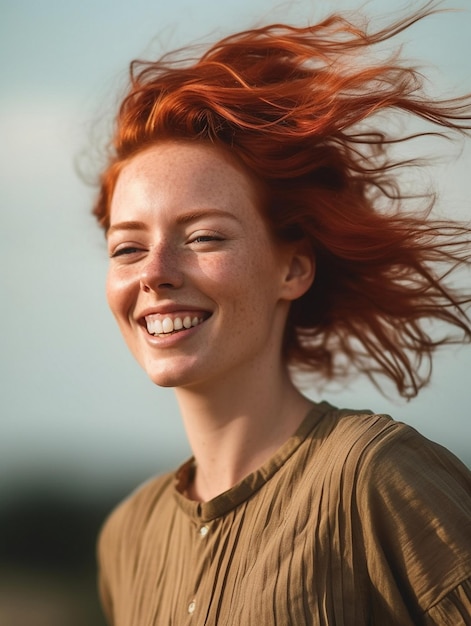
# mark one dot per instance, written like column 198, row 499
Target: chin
column 167, row 376
column 163, row 379
column 164, row 382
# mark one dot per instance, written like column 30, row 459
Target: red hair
column 298, row 107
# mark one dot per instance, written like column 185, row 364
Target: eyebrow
column 130, row 225
column 186, row 218
column 192, row 216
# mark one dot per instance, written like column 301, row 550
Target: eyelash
column 205, row 238
column 200, row 239
column 124, row 251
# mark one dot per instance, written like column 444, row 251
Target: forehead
column 183, row 172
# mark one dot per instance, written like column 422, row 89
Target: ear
column 300, row 270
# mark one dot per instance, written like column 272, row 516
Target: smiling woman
column 256, row 227
column 193, row 265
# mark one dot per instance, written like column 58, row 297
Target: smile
column 169, row 325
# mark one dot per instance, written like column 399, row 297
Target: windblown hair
column 301, row 108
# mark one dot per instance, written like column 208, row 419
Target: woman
column 257, row 228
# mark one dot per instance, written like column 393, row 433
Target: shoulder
column 385, row 460
column 130, row 517
column 411, row 504
column 402, row 503
column 401, row 486
column 379, row 449
column 121, row 535
column 392, row 455
column 402, row 473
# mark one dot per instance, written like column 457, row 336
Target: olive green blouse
column 357, row 520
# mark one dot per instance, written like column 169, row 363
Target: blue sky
column 73, row 402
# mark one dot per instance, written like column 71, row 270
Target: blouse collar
column 242, row 491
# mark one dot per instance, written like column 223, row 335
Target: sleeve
column 414, row 505
column 119, row 547
column 454, row 609
column 106, row 552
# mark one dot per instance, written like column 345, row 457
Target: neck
column 236, row 425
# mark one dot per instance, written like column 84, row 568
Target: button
column 192, row 607
column 204, row 530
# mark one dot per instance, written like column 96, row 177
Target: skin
column 187, row 239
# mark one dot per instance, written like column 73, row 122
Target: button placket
column 203, row 531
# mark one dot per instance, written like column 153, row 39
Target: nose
column 161, row 269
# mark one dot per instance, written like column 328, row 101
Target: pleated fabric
column 357, row 520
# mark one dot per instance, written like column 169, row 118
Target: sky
column 75, row 408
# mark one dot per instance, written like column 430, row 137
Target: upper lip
column 171, row 309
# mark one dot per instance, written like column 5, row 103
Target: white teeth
column 166, row 325
column 187, row 322
column 154, row 327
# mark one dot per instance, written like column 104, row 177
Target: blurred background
column 81, row 425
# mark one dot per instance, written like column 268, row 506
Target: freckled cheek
column 120, row 292
column 245, row 280
column 218, row 274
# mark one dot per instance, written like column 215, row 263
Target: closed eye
column 124, row 251
column 205, row 238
